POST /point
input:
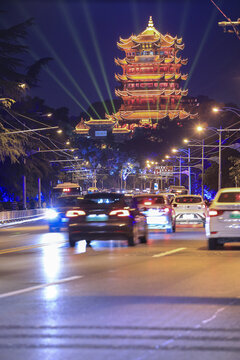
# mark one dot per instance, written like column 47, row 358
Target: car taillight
column 148, row 203
column 75, row 213
column 120, row 212
column 213, row 212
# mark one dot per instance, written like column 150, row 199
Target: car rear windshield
column 229, row 197
column 150, row 200
column 67, row 201
column 103, row 198
column 188, row 200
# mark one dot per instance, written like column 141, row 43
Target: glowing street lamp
column 22, row 86
column 236, row 111
column 200, row 128
column 186, row 141
column 174, row 150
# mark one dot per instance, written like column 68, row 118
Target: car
column 178, row 190
column 106, row 216
column 189, row 209
column 223, row 220
column 170, row 196
column 158, row 211
column 56, row 215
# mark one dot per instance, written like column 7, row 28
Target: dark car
column 106, row 216
column 56, row 215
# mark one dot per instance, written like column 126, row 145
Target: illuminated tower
column 150, row 80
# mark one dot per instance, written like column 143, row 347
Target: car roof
column 232, row 189
column 187, row 195
column 104, row 194
column 148, row 195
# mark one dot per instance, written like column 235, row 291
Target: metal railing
column 7, row 217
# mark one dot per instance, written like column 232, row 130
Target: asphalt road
column 170, row 299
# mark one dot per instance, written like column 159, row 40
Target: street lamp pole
column 220, row 160
column 180, row 170
column 202, row 167
column 189, row 173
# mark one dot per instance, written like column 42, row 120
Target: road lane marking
column 168, row 252
column 37, row 287
column 22, row 248
column 214, row 316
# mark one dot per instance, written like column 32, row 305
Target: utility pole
column 202, row 167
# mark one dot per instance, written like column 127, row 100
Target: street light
column 174, row 150
column 187, row 152
column 227, row 108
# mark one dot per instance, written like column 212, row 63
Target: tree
column 11, row 146
column 13, row 81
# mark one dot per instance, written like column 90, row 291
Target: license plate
column 235, row 215
column 154, row 220
column 97, row 217
column 188, row 216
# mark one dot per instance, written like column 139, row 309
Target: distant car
column 158, row 211
column 170, row 196
column 106, row 216
column 56, row 215
column 178, row 190
column 189, row 209
column 223, row 220
column 92, row 190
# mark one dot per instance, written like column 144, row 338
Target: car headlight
column 51, row 214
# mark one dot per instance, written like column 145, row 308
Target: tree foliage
column 11, row 146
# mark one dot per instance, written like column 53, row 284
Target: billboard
column 100, row 133
column 164, row 170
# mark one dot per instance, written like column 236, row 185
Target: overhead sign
column 100, row 133
column 164, row 170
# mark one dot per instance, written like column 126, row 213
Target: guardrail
column 7, row 217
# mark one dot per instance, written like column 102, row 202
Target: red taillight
column 214, row 212
column 75, row 213
column 120, row 212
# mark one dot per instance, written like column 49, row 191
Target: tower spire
column 150, row 22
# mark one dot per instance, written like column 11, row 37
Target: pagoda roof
column 151, row 36
column 121, row 130
column 150, row 77
column 152, row 114
column 99, row 122
column 147, row 93
column 157, row 60
column 82, row 131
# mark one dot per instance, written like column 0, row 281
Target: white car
column 223, row 220
column 189, row 209
column 158, row 211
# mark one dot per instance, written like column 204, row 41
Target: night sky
column 81, row 36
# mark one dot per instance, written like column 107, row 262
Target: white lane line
column 214, row 316
column 168, row 252
column 23, row 234
column 32, row 288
